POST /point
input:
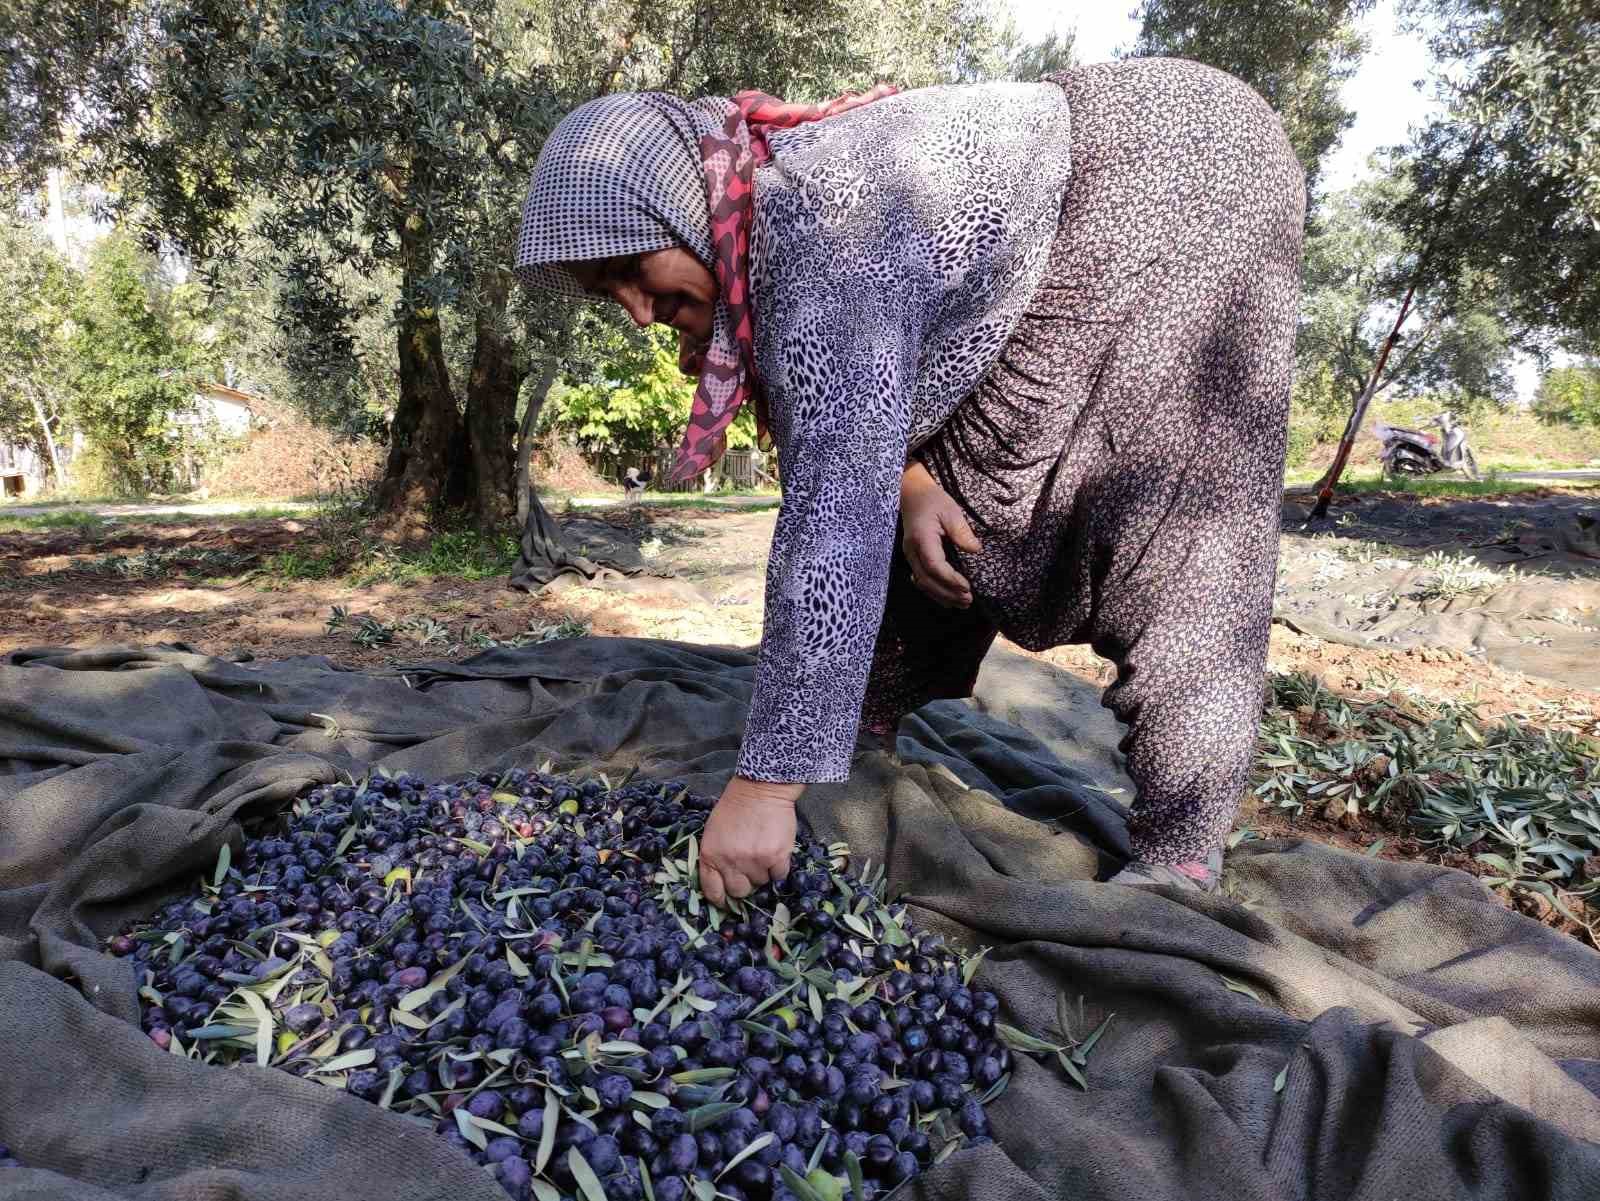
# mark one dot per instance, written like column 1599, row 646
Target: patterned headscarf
column 643, row 171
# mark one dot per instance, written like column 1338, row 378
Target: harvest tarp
column 1338, row 1027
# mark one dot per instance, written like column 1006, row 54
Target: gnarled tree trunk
column 427, row 429
column 491, row 413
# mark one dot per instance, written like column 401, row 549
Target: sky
column 1381, row 93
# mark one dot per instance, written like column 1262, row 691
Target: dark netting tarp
column 1392, row 1032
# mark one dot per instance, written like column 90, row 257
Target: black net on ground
column 1342, row 1027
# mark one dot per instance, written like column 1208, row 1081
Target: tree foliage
column 1356, row 265
column 36, row 294
column 1505, row 183
column 1570, row 395
column 1051, row 53
column 1296, row 53
column 133, row 365
column 363, row 160
column 57, row 59
column 636, row 404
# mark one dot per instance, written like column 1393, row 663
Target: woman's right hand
column 929, row 515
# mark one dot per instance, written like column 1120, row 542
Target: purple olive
column 302, row 1019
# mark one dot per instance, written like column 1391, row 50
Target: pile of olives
column 524, row 962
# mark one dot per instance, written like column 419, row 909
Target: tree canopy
column 36, row 293
column 362, row 163
column 1355, row 276
column 134, row 359
column 1505, row 183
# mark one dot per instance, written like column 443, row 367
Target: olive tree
column 1501, row 206
column 340, row 143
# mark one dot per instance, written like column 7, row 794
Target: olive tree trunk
column 490, row 423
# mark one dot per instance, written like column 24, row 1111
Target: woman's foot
column 1202, row 875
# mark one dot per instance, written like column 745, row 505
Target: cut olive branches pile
column 525, row 964
column 1524, row 799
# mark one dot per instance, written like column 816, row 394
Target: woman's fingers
column 711, row 884
column 932, row 571
column 777, row 869
column 959, row 532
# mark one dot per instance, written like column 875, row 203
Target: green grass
column 291, row 565
column 455, row 554
column 258, row 513
column 1362, row 483
column 81, row 519
column 68, row 519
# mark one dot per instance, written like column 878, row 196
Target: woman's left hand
column 748, row 838
column 928, row 516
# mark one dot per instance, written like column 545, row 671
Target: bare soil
column 207, row 584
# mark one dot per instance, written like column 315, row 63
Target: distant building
column 218, row 407
column 21, row 471
column 217, row 410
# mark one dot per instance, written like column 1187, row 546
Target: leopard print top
column 893, row 250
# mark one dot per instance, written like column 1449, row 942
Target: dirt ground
column 203, row 583
column 206, row 583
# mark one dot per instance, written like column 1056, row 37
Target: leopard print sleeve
column 892, row 250
column 829, row 567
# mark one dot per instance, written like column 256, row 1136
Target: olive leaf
column 995, row 1089
column 1021, row 1040
column 1073, row 1070
column 345, row 840
column 588, row 1183
column 418, row 997
column 469, row 1131
column 396, row 1075
column 1081, row 1054
column 350, row 1059
column 703, row 1075
column 705, row 1116
column 852, row 1167
column 224, row 858
column 969, row 966
column 1240, row 987
column 547, row 1136
column 773, row 999
column 264, row 1026
column 751, row 1148
column 217, row 1030
column 797, row 1184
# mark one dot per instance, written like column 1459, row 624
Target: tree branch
column 1330, row 479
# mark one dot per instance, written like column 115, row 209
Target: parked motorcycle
column 1415, row 452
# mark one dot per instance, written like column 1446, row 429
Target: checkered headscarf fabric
column 643, row 171
column 619, row 175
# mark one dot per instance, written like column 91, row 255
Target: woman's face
column 660, row 287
